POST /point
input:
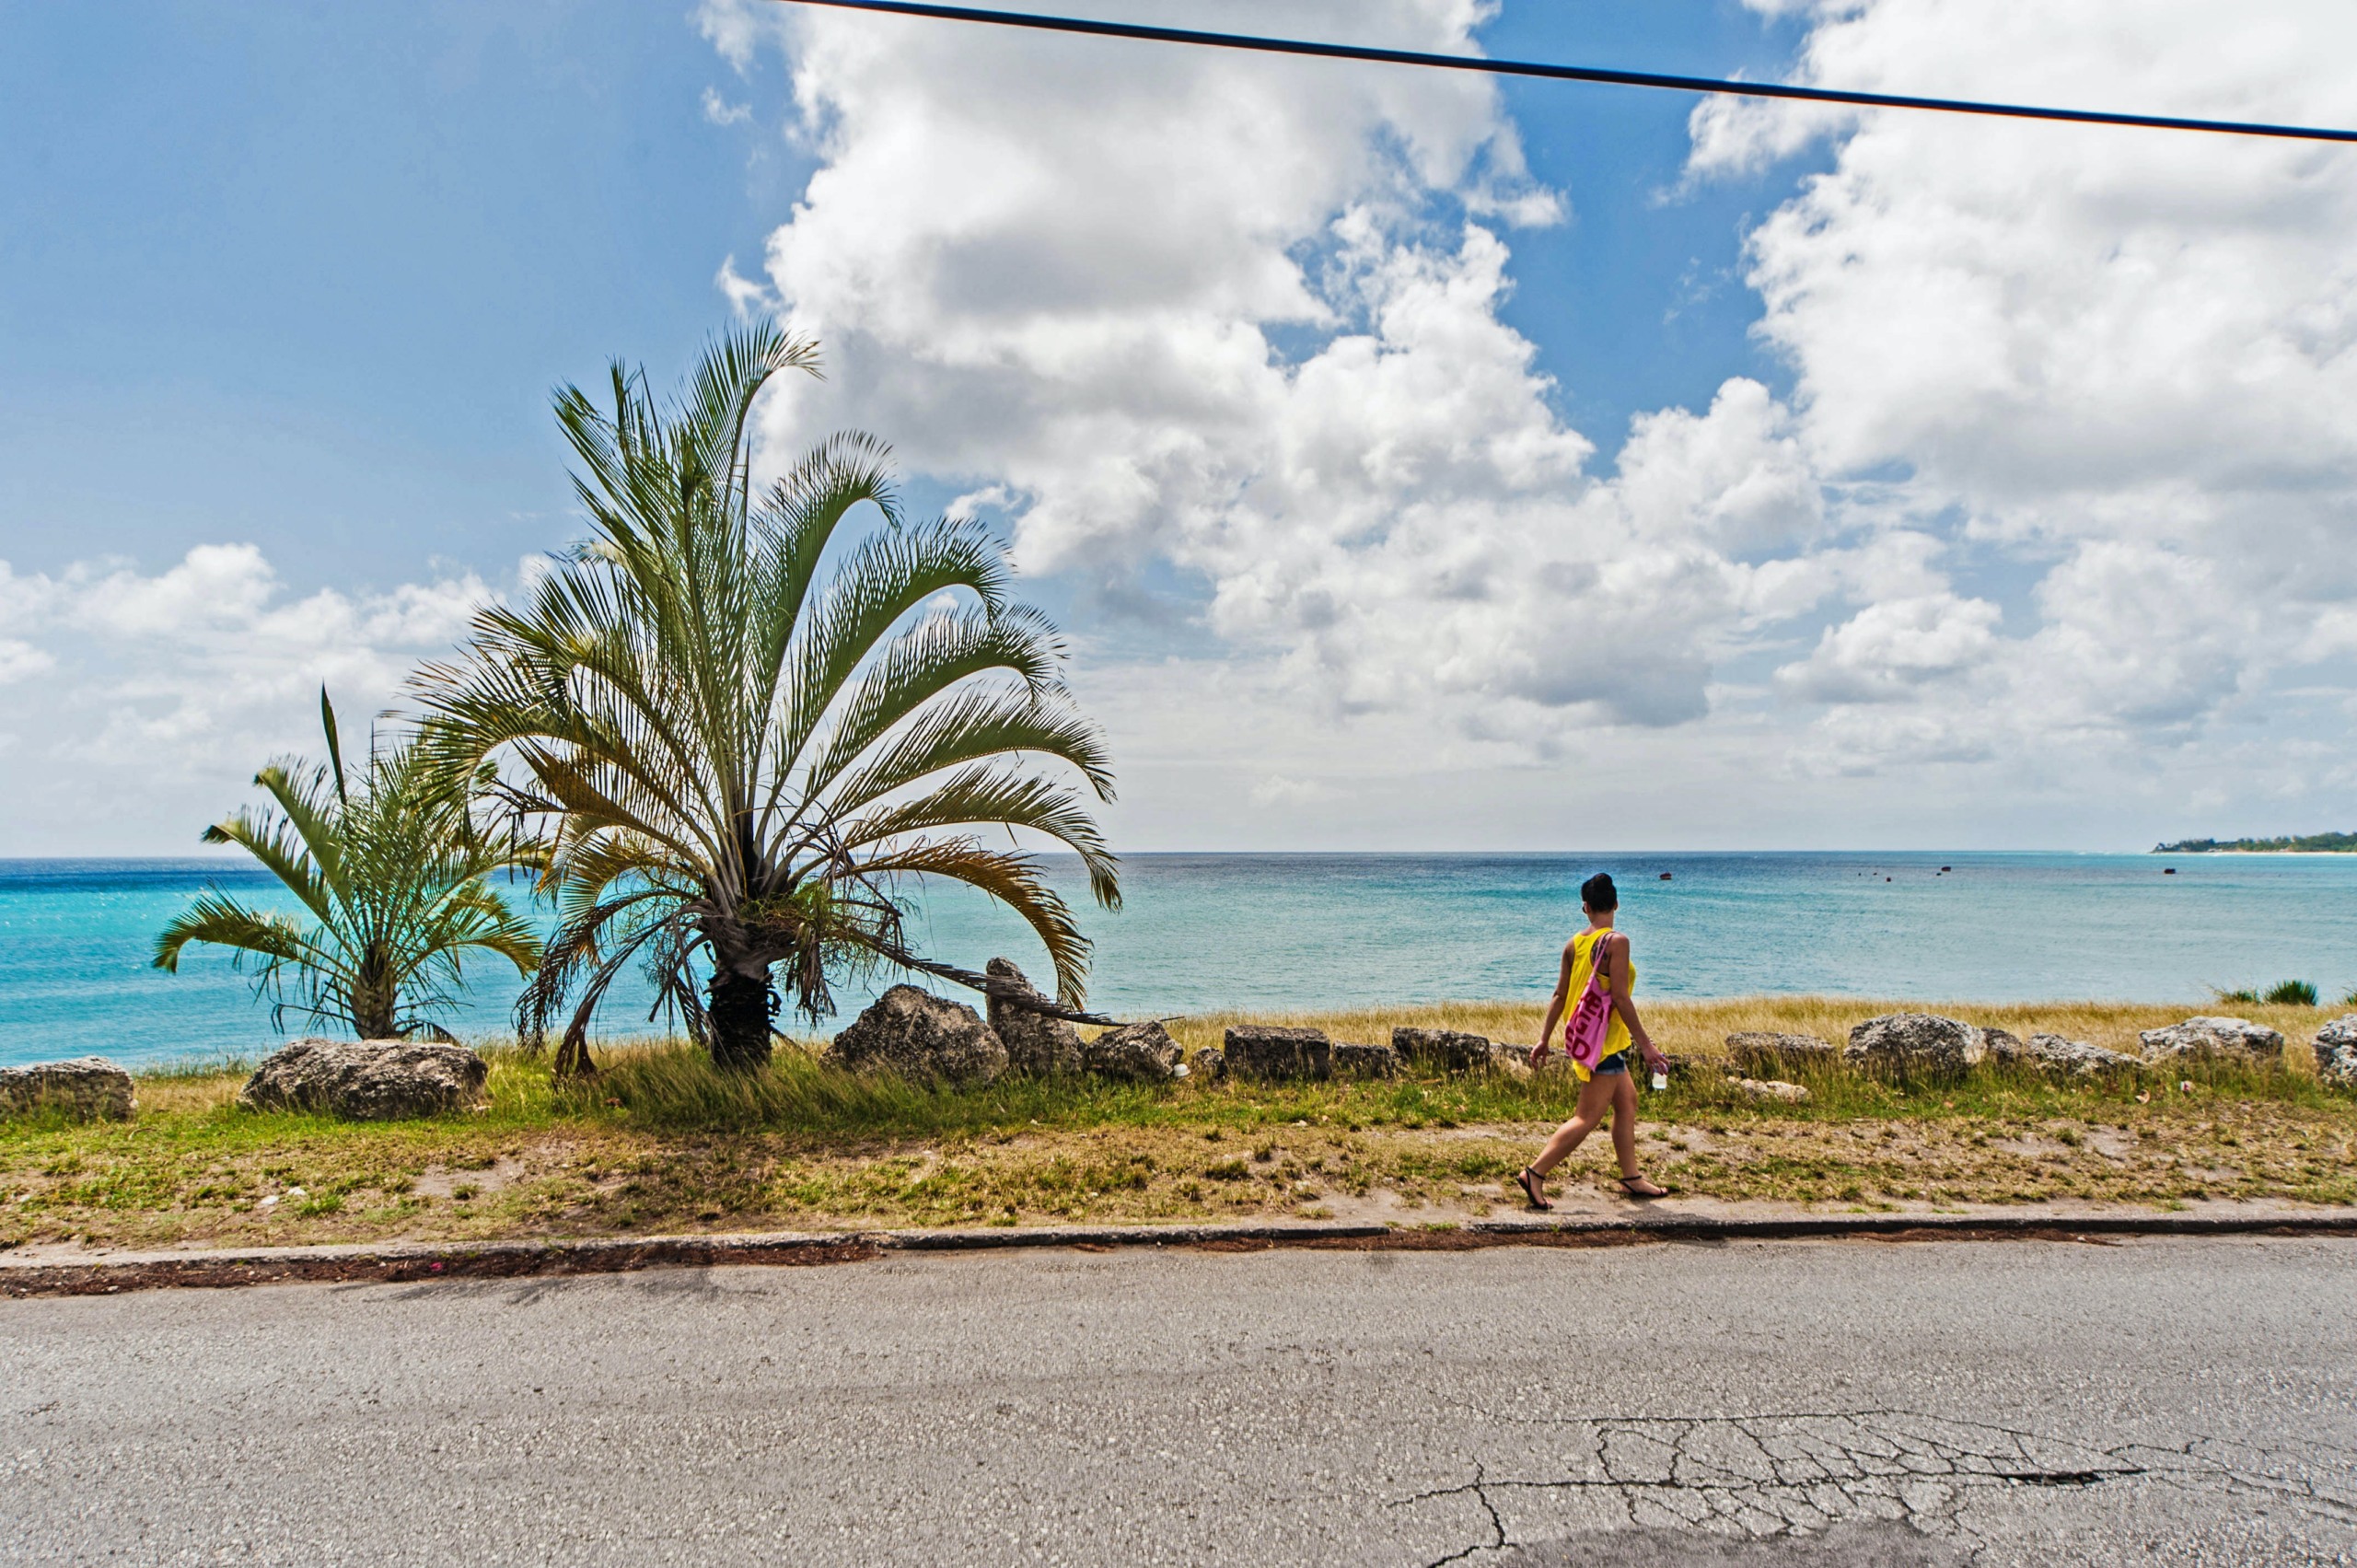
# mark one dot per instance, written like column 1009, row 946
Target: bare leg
column 1595, row 1095
column 1624, row 1139
column 1625, row 1123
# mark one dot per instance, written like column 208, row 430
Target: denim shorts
column 1616, row 1062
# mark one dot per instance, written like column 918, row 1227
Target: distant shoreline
column 2301, row 844
column 2319, row 853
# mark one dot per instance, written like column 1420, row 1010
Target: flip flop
column 1658, row 1191
column 1528, row 1182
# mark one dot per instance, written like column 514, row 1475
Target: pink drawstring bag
column 1591, row 1018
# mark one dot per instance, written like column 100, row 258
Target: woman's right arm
column 1624, row 1002
column 1555, row 1003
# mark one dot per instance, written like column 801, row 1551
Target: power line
column 1572, row 73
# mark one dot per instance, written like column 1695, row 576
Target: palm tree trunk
column 573, row 1058
column 375, row 998
column 375, row 1008
column 741, row 1005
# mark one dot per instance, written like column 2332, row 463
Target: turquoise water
column 1205, row 931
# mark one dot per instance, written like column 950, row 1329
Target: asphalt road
column 2170, row 1402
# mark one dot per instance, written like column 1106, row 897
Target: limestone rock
column 1366, row 1061
column 1757, row 1051
column 2052, row 1054
column 1444, row 1051
column 367, row 1080
column 1261, row 1051
column 1141, row 1052
column 1773, row 1089
column 2213, row 1036
column 87, row 1089
column 2336, row 1052
column 1921, row 1042
column 1034, row 1042
column 919, row 1035
column 2003, row 1045
column 1209, row 1065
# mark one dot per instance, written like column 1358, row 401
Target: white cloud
column 1024, row 277
column 1276, row 790
column 720, row 111
column 1892, row 649
column 2123, row 358
column 141, row 705
column 2106, row 372
column 745, row 297
column 19, row 659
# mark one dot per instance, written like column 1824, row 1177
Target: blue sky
column 1736, row 478
column 303, row 274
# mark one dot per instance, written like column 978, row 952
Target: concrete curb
column 403, row 1262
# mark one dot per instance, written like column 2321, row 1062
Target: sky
column 1416, row 461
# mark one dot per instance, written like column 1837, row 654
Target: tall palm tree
column 742, row 762
column 395, row 877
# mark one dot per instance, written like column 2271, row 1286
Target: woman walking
column 1600, row 954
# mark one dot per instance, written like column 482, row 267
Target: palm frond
column 310, row 808
column 1012, row 879
column 939, row 652
column 1003, row 797
column 720, row 396
column 282, row 855
column 888, row 575
column 335, row 745
column 971, row 725
column 220, row 919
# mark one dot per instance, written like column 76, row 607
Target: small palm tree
column 741, row 760
column 395, row 876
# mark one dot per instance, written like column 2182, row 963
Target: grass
column 661, row 1142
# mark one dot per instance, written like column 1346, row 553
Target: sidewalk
column 73, row 1270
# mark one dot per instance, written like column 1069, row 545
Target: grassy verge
column 661, row 1143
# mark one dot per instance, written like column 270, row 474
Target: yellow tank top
column 1616, row 1033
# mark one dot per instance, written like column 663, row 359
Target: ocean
column 1272, row 931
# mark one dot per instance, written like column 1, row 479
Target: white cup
column 1661, row 1080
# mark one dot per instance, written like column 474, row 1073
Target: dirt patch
column 463, row 1186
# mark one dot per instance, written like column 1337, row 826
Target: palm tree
column 742, row 762
column 395, row 877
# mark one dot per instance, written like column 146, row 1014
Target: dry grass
column 661, row 1142
column 1699, row 1029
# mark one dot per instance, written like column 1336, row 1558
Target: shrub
column 2293, row 994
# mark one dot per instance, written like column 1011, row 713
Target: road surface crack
column 1805, row 1473
column 1476, row 1488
